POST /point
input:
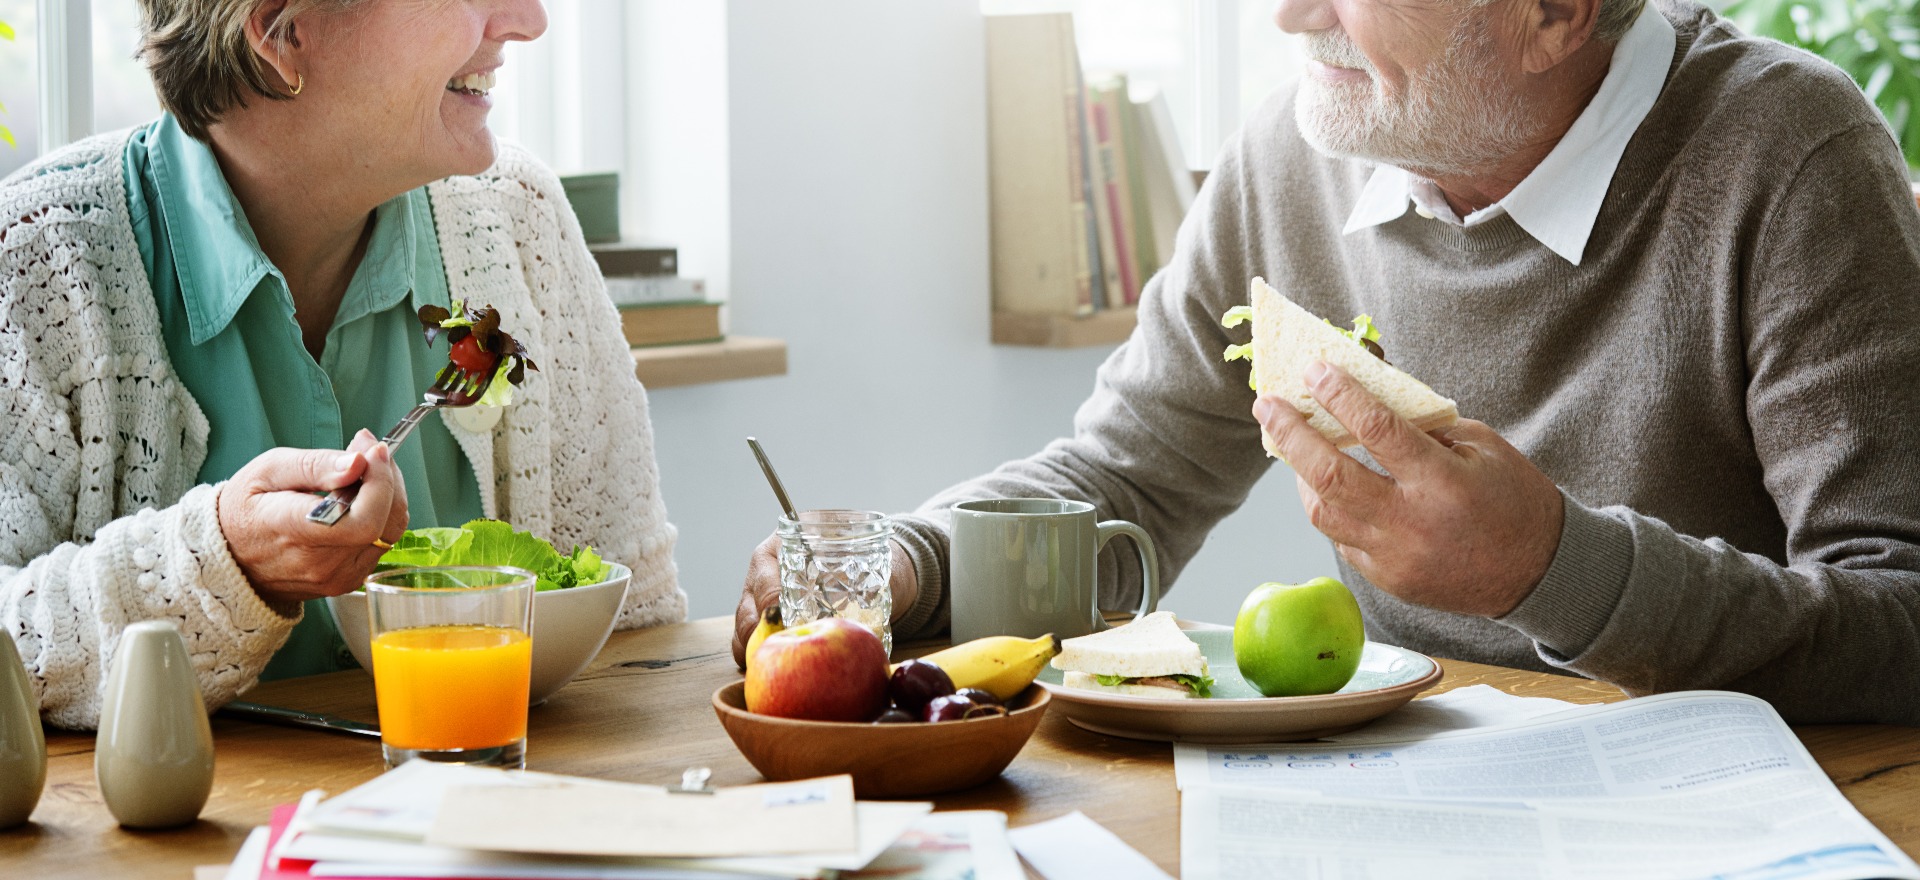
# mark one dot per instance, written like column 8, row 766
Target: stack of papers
column 433, row 820
column 1683, row 785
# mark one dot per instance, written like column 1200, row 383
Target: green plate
column 1236, row 713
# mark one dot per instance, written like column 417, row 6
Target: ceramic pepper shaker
column 23, row 745
column 154, row 755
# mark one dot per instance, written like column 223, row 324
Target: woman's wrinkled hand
column 263, row 513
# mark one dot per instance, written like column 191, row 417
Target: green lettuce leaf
column 1233, row 318
column 1363, row 330
column 500, row 390
column 491, row 542
column 1201, row 684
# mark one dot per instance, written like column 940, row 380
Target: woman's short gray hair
column 1616, row 18
column 201, row 62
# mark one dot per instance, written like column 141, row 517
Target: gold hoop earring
column 301, row 84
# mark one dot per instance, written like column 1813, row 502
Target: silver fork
column 453, row 387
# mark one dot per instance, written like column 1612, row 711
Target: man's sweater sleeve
column 1832, row 326
column 1165, row 441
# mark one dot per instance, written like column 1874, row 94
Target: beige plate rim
column 1237, row 720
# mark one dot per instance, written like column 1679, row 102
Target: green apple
column 1292, row 640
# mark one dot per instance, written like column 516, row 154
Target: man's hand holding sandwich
column 1460, row 521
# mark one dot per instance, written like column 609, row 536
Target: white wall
column 856, row 193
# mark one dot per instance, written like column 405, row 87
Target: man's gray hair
column 1616, row 18
column 201, row 62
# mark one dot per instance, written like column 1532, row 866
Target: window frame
column 64, row 37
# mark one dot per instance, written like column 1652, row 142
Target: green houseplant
column 1877, row 42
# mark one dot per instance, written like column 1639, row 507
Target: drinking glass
column 835, row 563
column 451, row 663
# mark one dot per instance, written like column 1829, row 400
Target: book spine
column 1145, row 243
column 1160, row 116
column 671, row 325
column 1089, row 284
column 1105, row 129
column 1035, row 233
column 1102, row 207
column 655, row 289
column 632, row 260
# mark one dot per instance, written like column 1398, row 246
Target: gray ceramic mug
column 1025, row 567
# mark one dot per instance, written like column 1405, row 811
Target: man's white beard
column 1446, row 123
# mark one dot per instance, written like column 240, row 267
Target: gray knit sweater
column 1727, row 389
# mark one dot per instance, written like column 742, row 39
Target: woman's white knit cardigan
column 101, row 523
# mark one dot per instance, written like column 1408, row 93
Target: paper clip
column 693, row 780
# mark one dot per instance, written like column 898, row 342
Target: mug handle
column 1149, row 562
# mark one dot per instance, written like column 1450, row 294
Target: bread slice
column 1288, row 338
column 1148, row 647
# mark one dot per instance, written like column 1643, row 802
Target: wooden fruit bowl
column 885, row 760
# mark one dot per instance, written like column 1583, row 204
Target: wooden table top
column 641, row 714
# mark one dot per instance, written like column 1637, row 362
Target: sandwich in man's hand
column 1288, row 338
column 1149, row 657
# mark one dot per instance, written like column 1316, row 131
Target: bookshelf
column 1109, row 327
column 736, row 357
column 1085, row 195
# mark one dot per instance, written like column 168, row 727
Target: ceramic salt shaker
column 154, row 755
column 23, row 745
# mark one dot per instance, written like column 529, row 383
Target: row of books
column 658, row 306
column 1088, row 185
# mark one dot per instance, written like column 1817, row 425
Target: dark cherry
column 895, row 716
column 959, row 708
column 949, row 708
column 916, row 683
column 979, row 695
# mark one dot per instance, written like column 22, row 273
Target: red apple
column 829, row 670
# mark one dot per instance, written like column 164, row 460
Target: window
column 1215, row 60
column 123, row 94
column 19, row 85
column 94, row 83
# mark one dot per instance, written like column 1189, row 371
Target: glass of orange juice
column 451, row 661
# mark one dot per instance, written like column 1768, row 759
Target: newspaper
column 1682, row 785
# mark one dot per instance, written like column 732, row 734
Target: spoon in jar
column 793, row 516
column 773, row 479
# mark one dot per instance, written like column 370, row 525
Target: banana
column 1000, row 665
column 769, row 624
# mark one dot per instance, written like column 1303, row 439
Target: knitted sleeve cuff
column 247, row 615
column 926, row 544
column 1583, row 585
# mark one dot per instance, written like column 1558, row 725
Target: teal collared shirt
column 228, row 320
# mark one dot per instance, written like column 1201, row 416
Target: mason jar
column 836, row 563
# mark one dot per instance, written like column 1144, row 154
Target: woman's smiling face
column 406, row 81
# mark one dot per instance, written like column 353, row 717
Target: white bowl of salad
column 577, row 596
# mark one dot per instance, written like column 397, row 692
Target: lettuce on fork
column 492, row 542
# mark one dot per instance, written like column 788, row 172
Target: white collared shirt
column 1559, row 200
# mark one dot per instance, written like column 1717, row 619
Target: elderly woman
column 201, row 319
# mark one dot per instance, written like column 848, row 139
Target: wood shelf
column 736, row 357
column 1109, row 327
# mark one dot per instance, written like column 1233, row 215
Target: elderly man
column 1672, row 271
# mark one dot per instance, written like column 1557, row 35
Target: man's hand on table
column 762, row 588
column 263, row 513
column 1461, row 522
